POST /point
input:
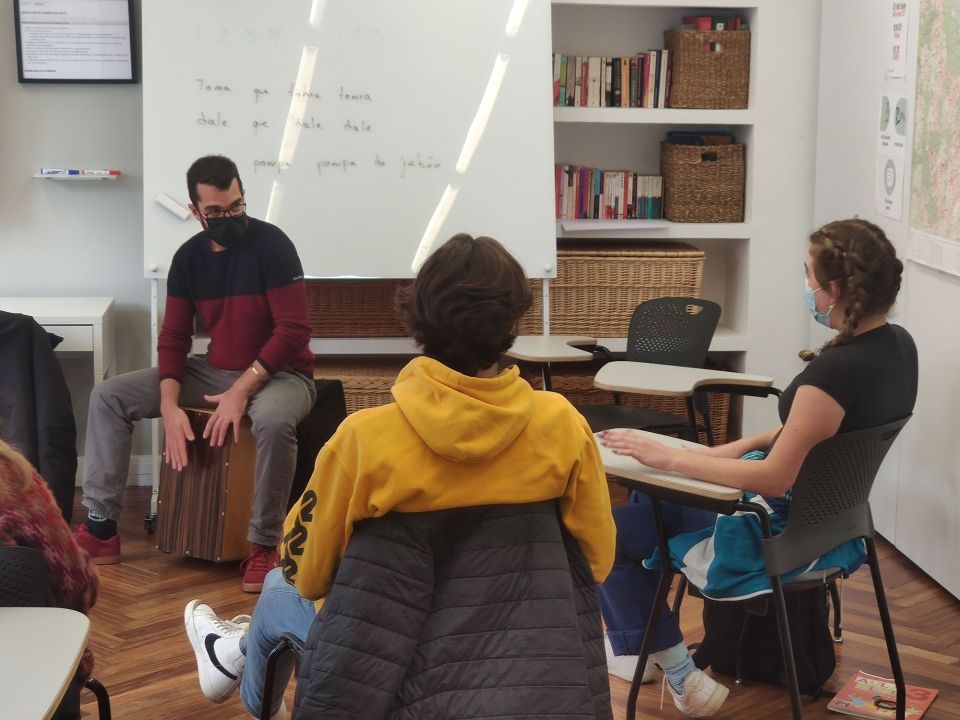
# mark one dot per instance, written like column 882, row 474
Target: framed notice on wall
column 75, row 41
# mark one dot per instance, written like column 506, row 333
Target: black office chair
column 830, row 506
column 23, row 583
column 667, row 331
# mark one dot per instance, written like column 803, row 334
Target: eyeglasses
column 235, row 210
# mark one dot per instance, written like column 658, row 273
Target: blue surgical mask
column 809, row 294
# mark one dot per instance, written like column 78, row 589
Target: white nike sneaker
column 702, row 695
column 624, row 666
column 216, row 645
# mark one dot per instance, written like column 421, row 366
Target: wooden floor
column 145, row 661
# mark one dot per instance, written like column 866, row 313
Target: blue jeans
column 280, row 609
column 627, row 595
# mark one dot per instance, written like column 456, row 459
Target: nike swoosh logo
column 208, row 641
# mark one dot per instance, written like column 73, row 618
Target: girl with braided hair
column 865, row 375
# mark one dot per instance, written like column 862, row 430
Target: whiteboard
column 367, row 130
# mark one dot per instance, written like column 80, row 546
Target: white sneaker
column 624, row 666
column 702, row 695
column 216, row 645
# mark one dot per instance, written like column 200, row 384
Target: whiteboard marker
column 172, row 205
column 99, row 173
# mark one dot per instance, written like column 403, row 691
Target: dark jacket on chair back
column 36, row 415
column 480, row 612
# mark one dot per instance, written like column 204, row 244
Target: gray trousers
column 275, row 410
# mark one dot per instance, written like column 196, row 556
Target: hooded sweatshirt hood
column 462, row 418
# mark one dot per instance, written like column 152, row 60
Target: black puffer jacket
column 471, row 613
column 36, row 415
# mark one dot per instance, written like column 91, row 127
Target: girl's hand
column 649, row 452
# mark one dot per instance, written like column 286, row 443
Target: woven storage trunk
column 704, row 78
column 599, row 286
column 366, row 381
column 366, row 308
column 576, row 384
column 703, row 183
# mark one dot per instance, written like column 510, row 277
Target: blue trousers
column 280, row 609
column 627, row 595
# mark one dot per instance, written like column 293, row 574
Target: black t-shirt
column 873, row 378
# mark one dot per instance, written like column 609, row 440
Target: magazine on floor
column 868, row 696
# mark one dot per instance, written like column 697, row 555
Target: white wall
column 74, row 238
column 916, row 502
column 781, row 157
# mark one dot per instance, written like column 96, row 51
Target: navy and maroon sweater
column 252, row 300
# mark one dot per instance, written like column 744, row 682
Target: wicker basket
column 366, row 308
column 703, row 183
column 599, row 286
column 576, row 384
column 366, row 381
column 701, row 78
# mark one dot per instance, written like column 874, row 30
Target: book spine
column 597, row 193
column 634, row 72
column 578, row 82
column 615, row 82
column 593, row 99
column 570, row 79
column 556, row 79
column 562, row 97
column 664, row 76
column 625, row 82
column 607, row 83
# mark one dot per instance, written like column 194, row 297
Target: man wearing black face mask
column 243, row 277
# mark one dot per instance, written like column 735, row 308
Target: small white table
column 627, row 468
column 670, row 380
column 546, row 349
column 676, row 381
column 84, row 323
column 42, row 649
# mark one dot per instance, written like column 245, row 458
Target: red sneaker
column 255, row 568
column 102, row 552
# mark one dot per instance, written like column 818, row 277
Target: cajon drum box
column 204, row 510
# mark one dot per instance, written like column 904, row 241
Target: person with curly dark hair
column 462, row 433
column 866, row 375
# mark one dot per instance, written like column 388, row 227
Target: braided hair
column 857, row 256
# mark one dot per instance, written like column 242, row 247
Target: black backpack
column 813, row 647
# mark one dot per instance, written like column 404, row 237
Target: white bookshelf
column 752, row 268
column 652, row 116
column 629, row 138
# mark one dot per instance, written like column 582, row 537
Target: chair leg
column 285, row 645
column 663, row 589
column 887, row 629
column 837, row 612
column 678, row 598
column 786, row 647
column 693, row 434
column 740, row 648
column 103, row 698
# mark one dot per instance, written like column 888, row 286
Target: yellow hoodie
column 449, row 441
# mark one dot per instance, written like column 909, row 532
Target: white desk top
column 42, row 648
column 628, row 468
column 668, row 380
column 551, row 348
column 59, row 310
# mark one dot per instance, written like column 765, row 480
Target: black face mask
column 227, row 231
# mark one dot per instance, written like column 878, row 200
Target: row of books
column 588, row 193
column 642, row 80
column 704, row 23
